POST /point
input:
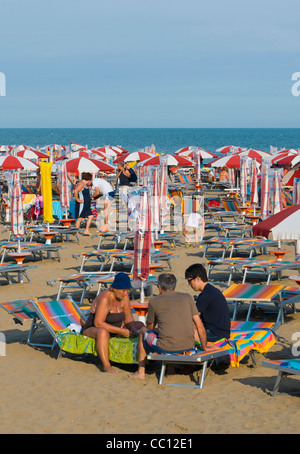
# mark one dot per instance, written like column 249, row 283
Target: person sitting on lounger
column 111, row 316
column 170, row 319
column 211, row 304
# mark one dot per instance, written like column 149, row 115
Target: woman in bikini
column 83, row 202
column 111, row 316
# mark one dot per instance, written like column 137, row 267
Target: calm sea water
column 166, row 140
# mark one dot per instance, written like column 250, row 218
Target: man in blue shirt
column 211, row 304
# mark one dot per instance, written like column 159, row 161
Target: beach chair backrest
column 230, row 204
column 21, row 309
column 58, row 314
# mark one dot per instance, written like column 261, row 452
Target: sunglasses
column 190, row 280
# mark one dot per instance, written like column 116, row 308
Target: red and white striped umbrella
column 289, row 159
column 188, row 152
column 172, row 160
column 76, row 146
column 296, row 191
column 16, row 162
column 142, row 241
column 243, row 178
column 32, row 154
column 155, row 205
column 17, row 219
column 233, row 160
column 255, row 154
column 134, row 156
column 109, row 151
column 119, row 149
column 254, row 186
column 87, row 165
column 265, row 191
column 63, row 187
column 276, row 193
column 228, row 149
column 288, row 179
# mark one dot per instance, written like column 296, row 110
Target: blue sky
column 129, row 63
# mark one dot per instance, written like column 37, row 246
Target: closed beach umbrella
column 254, row 185
column 196, row 158
column 296, row 191
column 243, row 179
column 47, row 191
column 265, row 191
column 163, row 190
column 64, row 188
column 17, row 219
column 142, row 241
column 276, row 193
column 16, row 162
column 155, row 205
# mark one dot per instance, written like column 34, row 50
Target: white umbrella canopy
column 229, row 149
column 134, row 156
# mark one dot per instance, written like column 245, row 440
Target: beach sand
column 42, row 395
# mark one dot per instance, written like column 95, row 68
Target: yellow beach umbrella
column 47, row 191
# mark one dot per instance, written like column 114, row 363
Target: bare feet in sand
column 137, row 375
column 110, row 370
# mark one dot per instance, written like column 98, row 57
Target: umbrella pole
column 142, row 293
column 19, row 245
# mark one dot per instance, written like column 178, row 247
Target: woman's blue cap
column 121, row 281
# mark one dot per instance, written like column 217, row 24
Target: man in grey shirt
column 170, row 323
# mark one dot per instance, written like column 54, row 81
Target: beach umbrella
column 32, row 154
column 109, row 151
column 243, row 178
column 119, row 149
column 196, row 158
column 163, row 193
column 254, row 186
column 265, row 191
column 255, row 154
column 63, row 188
column 230, row 160
column 276, row 193
column 188, row 152
column 47, row 192
column 172, row 160
column 296, row 191
column 142, row 241
column 87, row 165
column 288, row 178
column 291, row 160
column 16, row 162
column 17, row 219
column 284, row 225
column 76, row 146
column 155, row 205
column 134, row 156
column 228, row 149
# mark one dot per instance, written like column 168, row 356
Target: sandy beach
column 43, row 395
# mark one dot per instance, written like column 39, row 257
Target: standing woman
column 83, row 201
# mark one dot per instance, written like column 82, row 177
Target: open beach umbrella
column 172, row 160
column 134, row 156
column 119, row 149
column 76, row 146
column 142, row 241
column 288, row 179
column 15, row 162
column 228, row 149
column 255, row 154
column 17, row 219
column 290, row 160
column 283, row 225
column 188, row 152
column 109, row 151
column 32, row 154
column 87, row 165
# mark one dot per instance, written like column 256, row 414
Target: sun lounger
column 285, row 367
column 55, row 317
column 241, row 343
column 21, row 270
column 35, row 249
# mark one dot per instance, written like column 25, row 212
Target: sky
column 166, row 63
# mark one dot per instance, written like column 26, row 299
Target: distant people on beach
column 211, row 304
column 111, row 316
column 83, row 202
column 170, row 320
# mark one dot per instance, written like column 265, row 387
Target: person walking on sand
column 170, row 320
column 83, row 202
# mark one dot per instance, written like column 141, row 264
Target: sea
column 165, row 140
